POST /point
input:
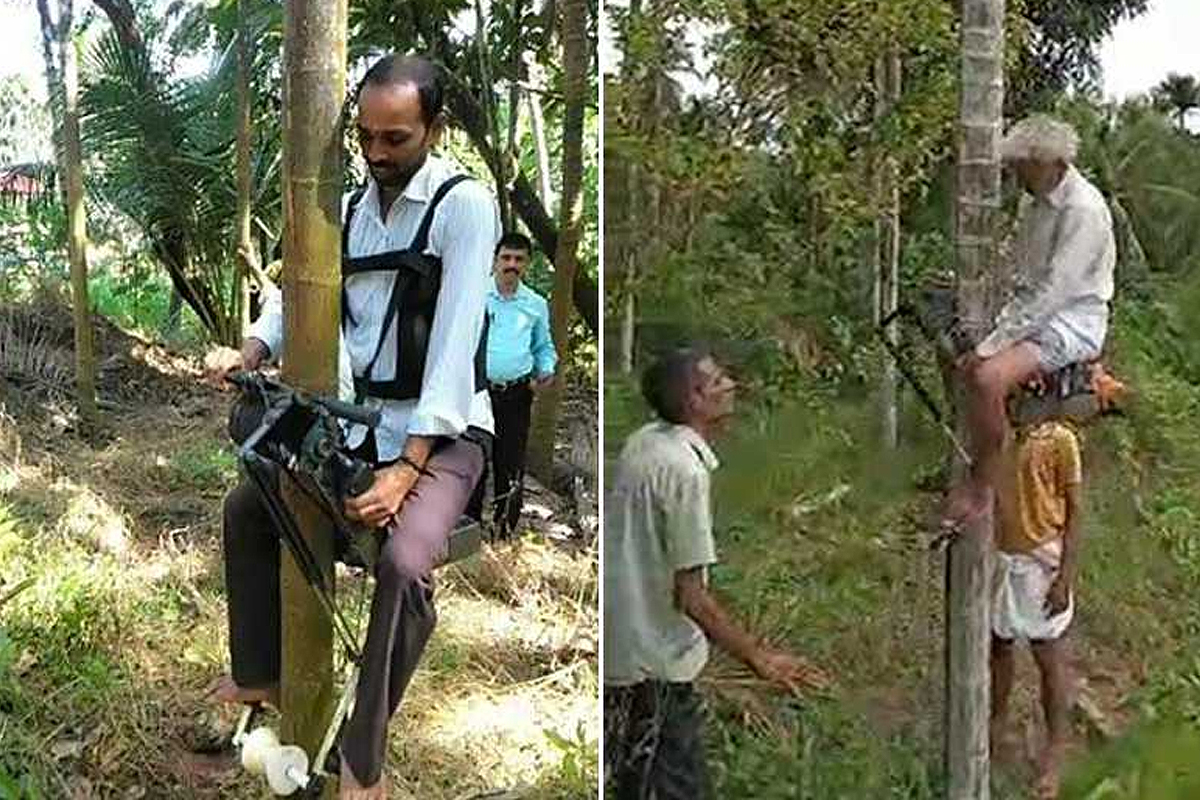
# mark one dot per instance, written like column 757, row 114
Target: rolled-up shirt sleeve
column 268, row 328
column 544, row 356
column 464, row 235
column 1083, row 239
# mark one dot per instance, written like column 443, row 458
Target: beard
column 392, row 175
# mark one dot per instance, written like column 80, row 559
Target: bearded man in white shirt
column 416, row 357
column 1060, row 310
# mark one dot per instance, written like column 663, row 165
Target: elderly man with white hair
column 1059, row 313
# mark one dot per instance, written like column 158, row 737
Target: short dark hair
column 392, row 70
column 666, row 383
column 514, row 240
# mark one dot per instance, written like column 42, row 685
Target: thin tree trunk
column 628, row 331
column 886, row 258
column 575, row 64
column 484, row 54
column 632, row 231
column 63, row 84
column 85, row 358
column 628, row 239
column 512, row 149
column 537, row 124
column 170, row 328
column 313, row 87
column 968, row 573
column 244, row 246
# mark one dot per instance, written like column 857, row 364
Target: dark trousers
column 654, row 740
column 511, row 407
column 402, row 612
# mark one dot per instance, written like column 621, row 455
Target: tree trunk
column 85, row 358
column 314, row 83
column 62, row 80
column 628, row 332
column 170, row 327
column 487, row 85
column 466, row 109
column 512, row 146
column 121, row 15
column 244, row 245
column 575, row 65
column 537, row 123
column 886, row 258
column 968, row 573
column 633, row 233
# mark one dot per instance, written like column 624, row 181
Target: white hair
column 1040, row 138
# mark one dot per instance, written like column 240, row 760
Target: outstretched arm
column 693, row 598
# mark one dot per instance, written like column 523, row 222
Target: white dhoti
column 1020, row 587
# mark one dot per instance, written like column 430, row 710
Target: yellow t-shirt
column 1039, row 468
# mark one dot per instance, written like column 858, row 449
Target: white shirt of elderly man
column 1064, row 249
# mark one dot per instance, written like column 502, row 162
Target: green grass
column 138, row 299
column 204, row 463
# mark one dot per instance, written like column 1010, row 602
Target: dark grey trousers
column 654, row 742
column 402, row 612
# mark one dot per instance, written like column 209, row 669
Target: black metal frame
column 321, row 467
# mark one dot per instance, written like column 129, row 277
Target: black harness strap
column 410, row 307
column 351, row 207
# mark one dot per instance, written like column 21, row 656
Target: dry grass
column 124, row 625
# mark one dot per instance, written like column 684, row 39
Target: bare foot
column 966, row 501
column 224, row 690
column 350, row 789
column 1046, row 787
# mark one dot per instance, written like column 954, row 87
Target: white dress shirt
column 1066, row 255
column 465, row 229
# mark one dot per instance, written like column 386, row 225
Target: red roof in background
column 15, row 183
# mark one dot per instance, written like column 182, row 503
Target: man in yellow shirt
column 1038, row 511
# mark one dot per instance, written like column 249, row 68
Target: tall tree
column 566, row 262
column 968, row 633
column 314, row 85
column 1179, row 94
column 62, row 77
column 244, row 246
column 1060, row 50
column 887, row 243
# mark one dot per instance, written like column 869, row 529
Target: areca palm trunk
column 72, row 161
column 968, row 626
column 244, row 247
column 314, row 80
column 886, row 257
column 62, row 79
column 566, row 261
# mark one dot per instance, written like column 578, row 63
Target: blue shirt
column 519, row 335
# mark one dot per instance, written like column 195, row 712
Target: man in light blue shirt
column 520, row 361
